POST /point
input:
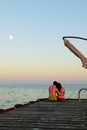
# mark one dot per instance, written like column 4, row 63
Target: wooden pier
column 46, row 115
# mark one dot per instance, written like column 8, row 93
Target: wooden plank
column 45, row 114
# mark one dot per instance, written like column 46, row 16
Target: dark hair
column 55, row 83
column 59, row 86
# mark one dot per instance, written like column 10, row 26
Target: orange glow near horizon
column 30, row 72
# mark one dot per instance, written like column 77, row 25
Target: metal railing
column 80, row 91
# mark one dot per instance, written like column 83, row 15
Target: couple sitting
column 56, row 92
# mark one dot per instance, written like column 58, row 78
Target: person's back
column 61, row 95
column 61, row 92
column 53, row 92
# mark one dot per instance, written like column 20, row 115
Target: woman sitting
column 60, row 92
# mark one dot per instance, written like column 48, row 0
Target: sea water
column 12, row 94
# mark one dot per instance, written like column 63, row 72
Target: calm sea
column 12, row 94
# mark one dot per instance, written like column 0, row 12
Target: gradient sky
column 36, row 52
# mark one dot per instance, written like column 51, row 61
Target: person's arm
column 62, row 92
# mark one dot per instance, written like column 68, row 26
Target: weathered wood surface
column 47, row 115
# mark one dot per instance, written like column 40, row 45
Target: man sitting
column 53, row 91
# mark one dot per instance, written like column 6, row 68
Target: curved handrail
column 74, row 37
column 80, row 91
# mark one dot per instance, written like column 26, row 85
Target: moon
column 11, row 37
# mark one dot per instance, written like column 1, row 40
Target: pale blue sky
column 37, row 52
